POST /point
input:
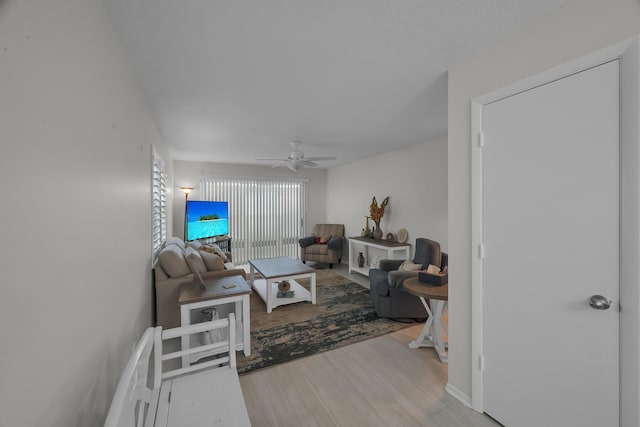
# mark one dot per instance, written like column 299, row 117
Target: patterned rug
column 343, row 314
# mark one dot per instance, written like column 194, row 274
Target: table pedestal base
column 431, row 335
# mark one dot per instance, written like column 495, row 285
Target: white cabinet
column 369, row 247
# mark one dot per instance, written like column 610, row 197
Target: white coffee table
column 274, row 270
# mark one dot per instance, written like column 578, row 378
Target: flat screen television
column 207, row 219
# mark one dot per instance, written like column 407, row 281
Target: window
column 159, row 203
column 266, row 215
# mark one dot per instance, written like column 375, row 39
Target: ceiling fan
column 297, row 160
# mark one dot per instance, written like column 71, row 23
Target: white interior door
column 551, row 209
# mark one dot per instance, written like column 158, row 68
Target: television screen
column 206, row 219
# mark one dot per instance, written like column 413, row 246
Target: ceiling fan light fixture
column 296, row 159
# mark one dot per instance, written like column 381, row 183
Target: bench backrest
column 135, row 400
column 225, row 349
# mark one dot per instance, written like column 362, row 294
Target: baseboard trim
column 463, row 398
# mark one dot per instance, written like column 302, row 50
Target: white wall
column 188, row 174
column 579, row 28
column 75, row 218
column 415, row 179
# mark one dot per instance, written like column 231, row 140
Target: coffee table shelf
column 300, row 293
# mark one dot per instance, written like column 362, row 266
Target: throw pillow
column 176, row 241
column 172, row 261
column 409, row 265
column 212, row 261
column 195, row 244
column 194, row 260
column 323, row 240
column 215, row 249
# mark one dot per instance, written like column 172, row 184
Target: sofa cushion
column 194, row 260
column 195, row 244
column 172, row 261
column 212, row 261
column 176, row 241
column 215, row 249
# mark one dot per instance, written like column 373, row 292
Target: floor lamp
column 186, row 191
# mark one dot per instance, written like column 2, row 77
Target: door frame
column 628, row 52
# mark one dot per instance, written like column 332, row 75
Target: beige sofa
column 174, row 267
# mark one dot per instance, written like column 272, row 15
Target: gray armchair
column 386, row 282
column 330, row 251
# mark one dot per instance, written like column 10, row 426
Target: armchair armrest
column 336, row 243
column 390, row 264
column 307, row 241
column 397, row 278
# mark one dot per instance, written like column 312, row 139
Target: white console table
column 393, row 250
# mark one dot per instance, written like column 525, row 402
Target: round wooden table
column 431, row 335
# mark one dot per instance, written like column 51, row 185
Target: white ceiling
column 234, row 80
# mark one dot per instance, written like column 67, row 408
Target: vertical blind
column 266, row 216
column 158, row 204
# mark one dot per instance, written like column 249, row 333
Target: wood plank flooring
column 378, row 382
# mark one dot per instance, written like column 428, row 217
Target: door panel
column 551, row 210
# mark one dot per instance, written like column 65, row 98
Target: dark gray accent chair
column 386, row 282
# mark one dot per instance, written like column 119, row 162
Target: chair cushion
column 317, row 249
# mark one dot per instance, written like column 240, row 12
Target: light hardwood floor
column 378, row 382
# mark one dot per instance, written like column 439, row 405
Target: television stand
column 223, row 242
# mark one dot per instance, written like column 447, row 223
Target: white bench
column 202, row 394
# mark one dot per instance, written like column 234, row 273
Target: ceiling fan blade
column 273, row 160
column 313, row 159
column 307, row 162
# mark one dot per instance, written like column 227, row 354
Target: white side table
column 194, row 297
column 431, row 335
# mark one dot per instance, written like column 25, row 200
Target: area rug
column 343, row 314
